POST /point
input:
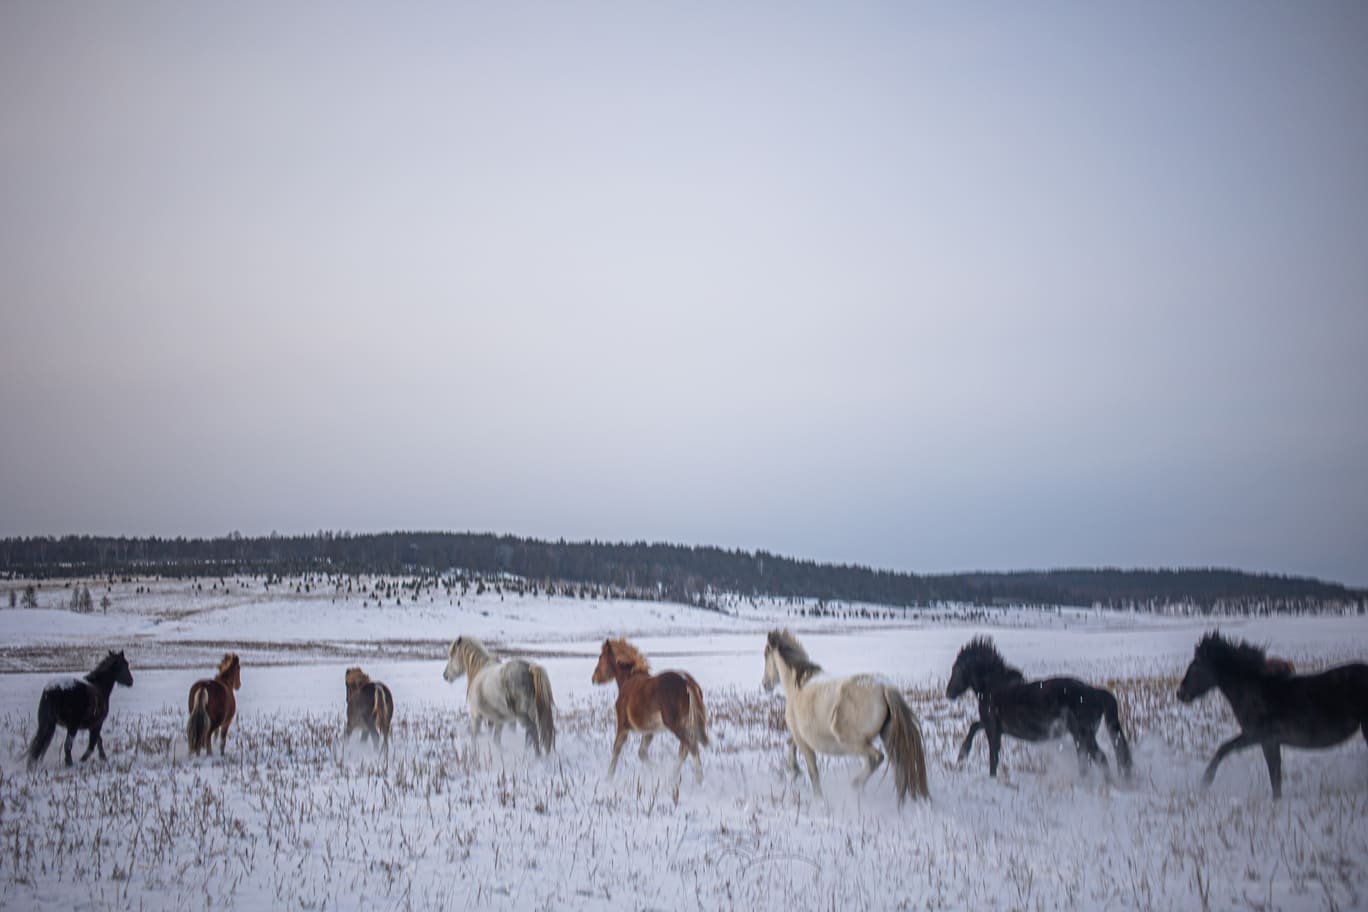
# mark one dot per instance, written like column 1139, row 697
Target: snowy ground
column 291, row 818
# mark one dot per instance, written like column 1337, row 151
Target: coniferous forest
column 662, row 571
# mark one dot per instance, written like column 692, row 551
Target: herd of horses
column 1273, row 705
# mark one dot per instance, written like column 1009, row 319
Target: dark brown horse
column 370, row 707
column 212, row 706
column 1034, row 710
column 651, row 703
column 1274, row 706
column 77, row 703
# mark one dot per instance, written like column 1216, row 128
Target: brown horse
column 213, row 706
column 370, row 707
column 649, row 703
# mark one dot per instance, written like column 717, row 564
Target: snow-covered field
column 293, row 818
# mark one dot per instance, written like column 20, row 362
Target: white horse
column 499, row 692
column 842, row 715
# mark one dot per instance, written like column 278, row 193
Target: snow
column 293, row 818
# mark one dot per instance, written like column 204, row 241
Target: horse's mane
column 228, row 661
column 982, row 656
column 793, row 654
column 1235, row 657
column 108, row 666
column 628, row 656
column 471, row 648
column 356, row 678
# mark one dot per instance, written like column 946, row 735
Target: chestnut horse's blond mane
column 628, row 656
column 356, row 678
column 229, row 660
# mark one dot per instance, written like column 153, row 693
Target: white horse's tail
column 545, row 705
column 902, row 737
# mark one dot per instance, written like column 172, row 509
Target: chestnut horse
column 213, row 706
column 370, row 707
column 650, row 703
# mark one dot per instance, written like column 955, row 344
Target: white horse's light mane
column 793, row 654
column 473, row 653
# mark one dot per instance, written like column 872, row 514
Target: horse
column 841, row 716
column 651, row 703
column 499, row 692
column 370, row 707
column 213, row 706
column 78, row 703
column 1275, row 707
column 1034, row 710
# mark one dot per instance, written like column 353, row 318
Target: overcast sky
column 929, row 288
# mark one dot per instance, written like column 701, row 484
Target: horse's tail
column 197, row 727
column 902, row 736
column 1118, row 737
column 383, row 711
column 47, row 724
column 698, row 713
column 545, row 704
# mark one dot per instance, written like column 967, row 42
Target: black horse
column 1275, row 707
column 1033, row 710
column 78, row 703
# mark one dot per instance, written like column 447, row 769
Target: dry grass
column 292, row 818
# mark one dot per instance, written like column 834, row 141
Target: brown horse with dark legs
column 370, row 707
column 213, row 706
column 651, row 703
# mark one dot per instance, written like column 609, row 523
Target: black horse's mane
column 982, row 660
column 1235, row 657
column 108, row 667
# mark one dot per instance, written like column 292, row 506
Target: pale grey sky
column 927, row 288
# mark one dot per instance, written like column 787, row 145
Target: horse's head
column 979, row 666
column 782, row 650
column 122, row 674
column 603, row 671
column 1200, row 676
column 959, row 679
column 1196, row 681
column 356, row 679
column 771, row 676
column 455, row 666
column 230, row 670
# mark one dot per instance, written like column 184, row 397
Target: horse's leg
column 1272, row 752
column 793, row 757
column 873, row 757
column 474, row 726
column 994, row 734
column 679, row 764
column 90, row 744
column 223, row 739
column 810, row 758
column 968, row 741
column 620, row 740
column 70, row 740
column 1085, row 742
column 697, row 763
column 645, row 745
column 532, row 738
column 1242, row 740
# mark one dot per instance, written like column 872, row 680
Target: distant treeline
column 680, row 573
